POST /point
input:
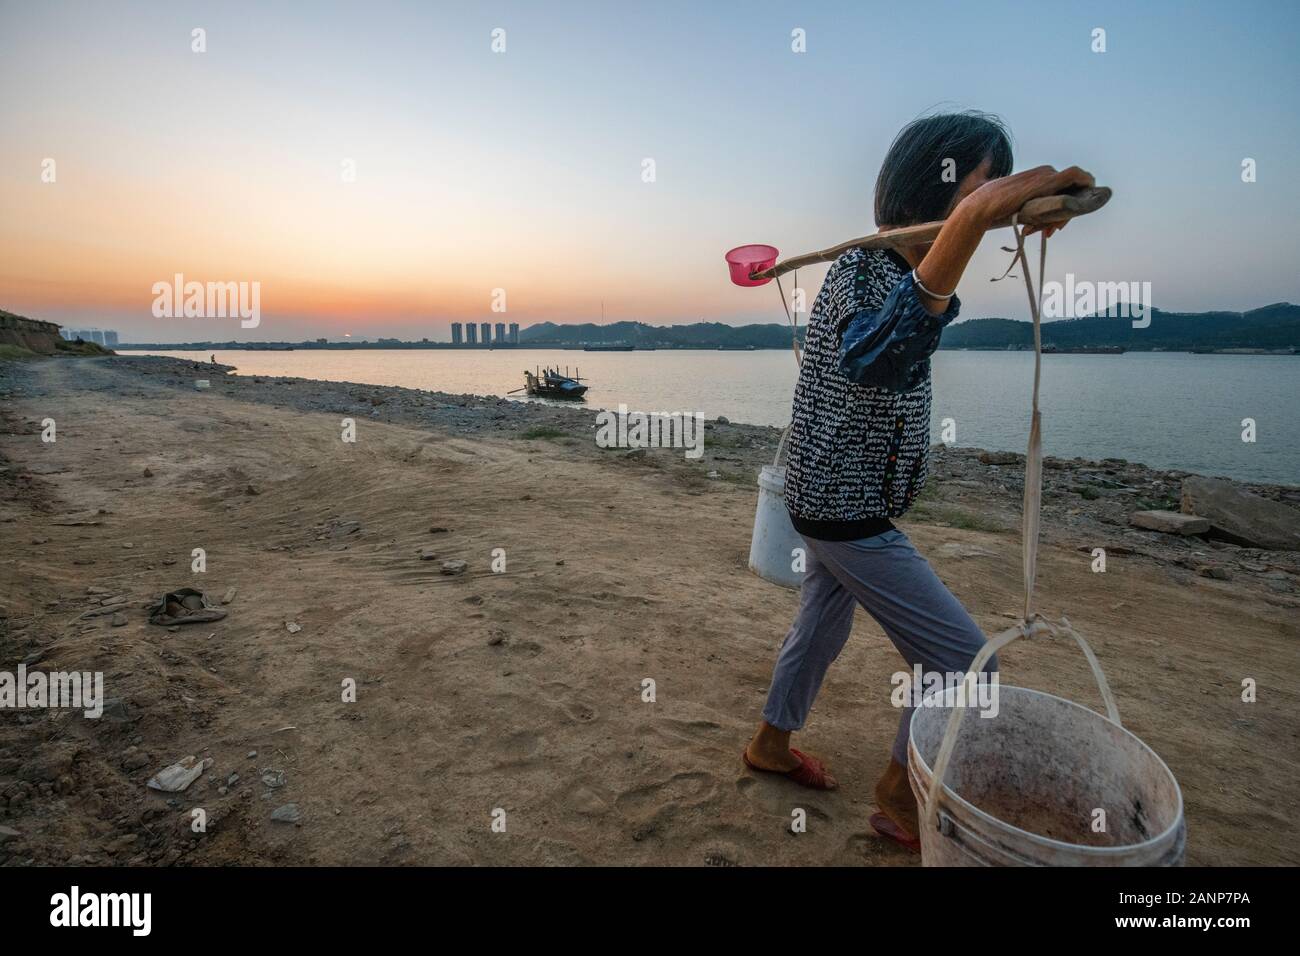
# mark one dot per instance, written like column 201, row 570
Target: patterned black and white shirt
column 859, row 444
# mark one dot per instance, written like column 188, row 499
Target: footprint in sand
column 517, row 747
column 583, row 713
column 681, row 788
column 722, row 856
column 583, row 799
column 779, row 797
column 688, row 731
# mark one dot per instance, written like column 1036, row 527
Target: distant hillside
column 698, row 335
column 1272, row 327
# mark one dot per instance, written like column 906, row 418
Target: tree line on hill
column 1271, row 327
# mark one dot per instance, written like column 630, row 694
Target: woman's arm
column 946, row 260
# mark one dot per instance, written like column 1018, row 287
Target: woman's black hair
column 917, row 183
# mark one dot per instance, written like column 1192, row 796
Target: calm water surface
column 1167, row 410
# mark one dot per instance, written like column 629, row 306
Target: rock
column 133, row 758
column 437, row 530
column 252, row 755
column 179, row 775
column 713, row 475
column 636, row 453
column 426, row 554
column 118, row 620
column 956, row 549
column 251, row 490
column 1214, row 571
column 99, row 612
column 454, row 567
column 495, row 640
column 723, row 420
column 999, row 458
column 1241, row 517
column 229, row 596
column 121, row 843
column 293, row 626
column 289, row 813
column 127, row 544
column 1170, row 522
column 115, row 710
column 147, row 473
column 8, row 833
column 273, row 779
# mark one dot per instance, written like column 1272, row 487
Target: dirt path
column 519, row 690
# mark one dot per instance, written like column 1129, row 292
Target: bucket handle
column 1036, row 627
column 780, row 446
column 793, row 319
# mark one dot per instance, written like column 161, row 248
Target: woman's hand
column 1001, row 198
column 994, row 202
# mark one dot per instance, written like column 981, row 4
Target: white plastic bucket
column 1023, row 788
column 771, row 550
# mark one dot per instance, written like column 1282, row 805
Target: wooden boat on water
column 549, row 383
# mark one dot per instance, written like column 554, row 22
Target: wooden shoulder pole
column 1036, row 212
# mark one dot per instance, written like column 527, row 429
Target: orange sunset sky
column 523, row 169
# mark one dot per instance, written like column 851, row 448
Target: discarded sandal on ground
column 810, row 772
column 184, row 606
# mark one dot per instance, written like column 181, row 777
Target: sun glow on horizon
column 389, row 173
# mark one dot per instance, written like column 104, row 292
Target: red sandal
column 889, row 829
column 810, row 773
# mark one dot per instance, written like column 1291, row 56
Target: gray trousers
column 897, row 587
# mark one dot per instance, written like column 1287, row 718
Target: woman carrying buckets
column 860, row 435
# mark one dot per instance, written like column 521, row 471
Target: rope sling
column 793, row 319
column 1032, row 624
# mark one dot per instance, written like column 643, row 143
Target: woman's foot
column 770, row 750
column 897, row 806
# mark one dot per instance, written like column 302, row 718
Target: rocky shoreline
column 1087, row 504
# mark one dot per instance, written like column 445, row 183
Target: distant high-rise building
column 485, row 332
column 456, row 329
column 514, row 333
column 471, row 334
column 500, row 335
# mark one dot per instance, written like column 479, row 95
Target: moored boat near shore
column 549, row 383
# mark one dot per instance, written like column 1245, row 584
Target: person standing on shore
column 860, row 436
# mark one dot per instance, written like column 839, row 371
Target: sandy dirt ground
column 519, row 690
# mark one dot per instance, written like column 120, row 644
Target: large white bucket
column 1023, row 788
column 771, row 550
